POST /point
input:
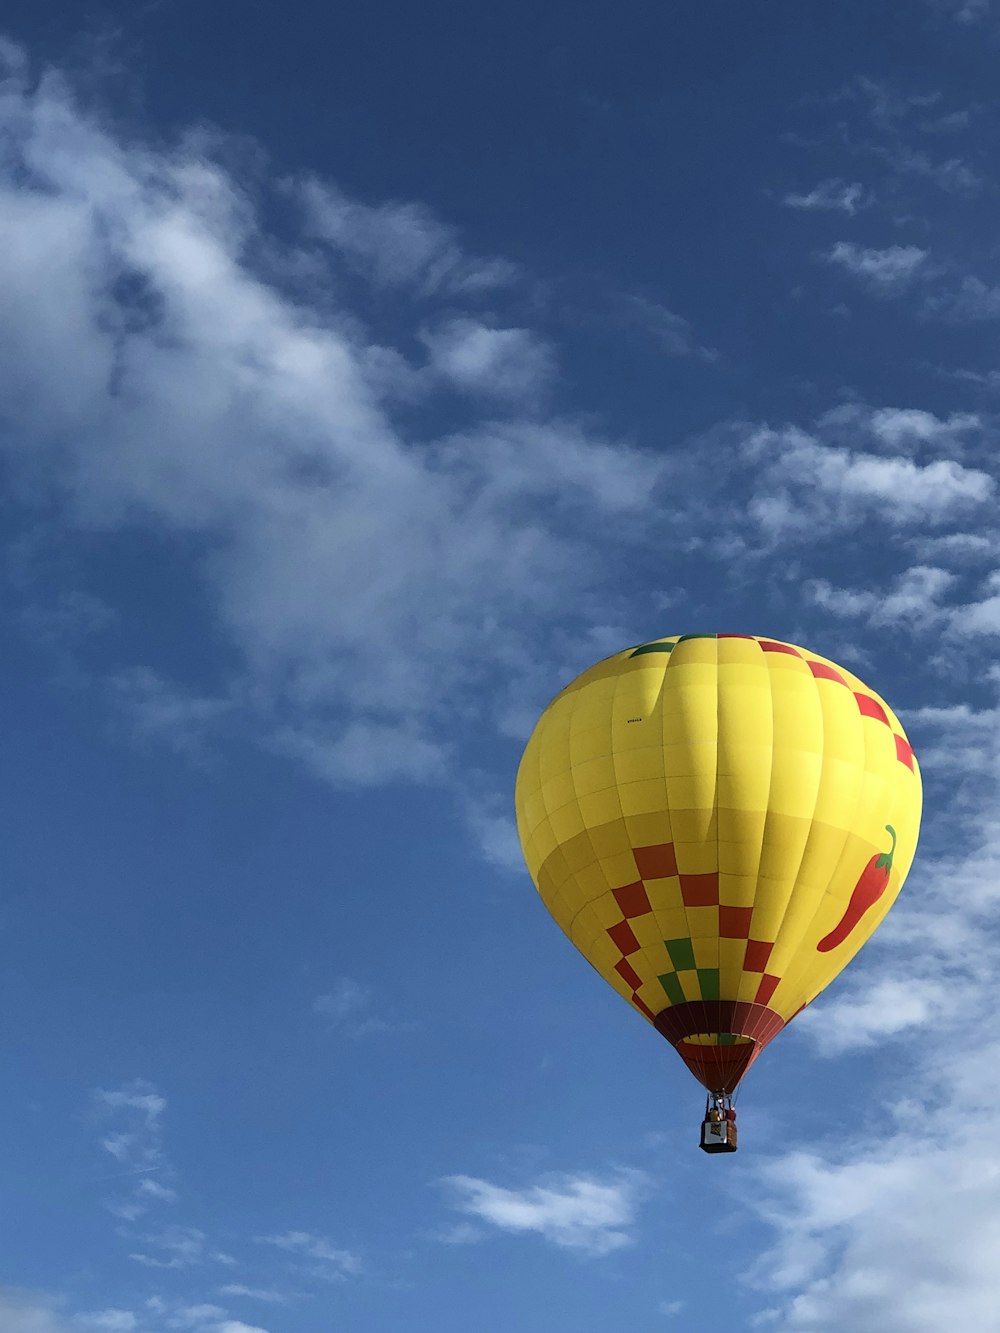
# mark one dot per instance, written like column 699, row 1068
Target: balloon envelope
column 718, row 822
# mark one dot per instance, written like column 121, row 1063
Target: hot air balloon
column 718, row 822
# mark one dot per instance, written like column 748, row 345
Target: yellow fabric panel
column 672, row 923
column 665, row 894
column 730, row 965
column 706, row 952
column 607, row 910
column 611, row 839
column 585, row 927
column 593, row 775
column 653, row 960
column 647, row 931
column 638, row 763
column 735, row 890
column 620, row 869
column 703, row 922
column 642, row 798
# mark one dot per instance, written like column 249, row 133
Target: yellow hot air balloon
column 718, row 822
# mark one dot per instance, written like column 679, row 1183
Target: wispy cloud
column 158, row 711
column 267, row 1295
column 672, row 333
column 917, row 598
column 397, row 244
column 503, row 363
column 134, row 1139
column 590, row 1214
column 178, row 1247
column 874, row 1012
column 969, row 13
column 974, row 301
column 318, row 1256
column 205, row 1317
column 886, row 271
column 834, row 195
column 907, row 430
column 108, row 1321
column 348, row 1008
column 953, row 175
column 805, row 485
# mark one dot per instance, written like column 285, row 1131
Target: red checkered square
column 768, row 985
column 631, row 898
column 628, row 974
column 659, row 862
column 823, row 672
column 770, row 646
column 734, row 922
column 904, row 751
column 700, row 890
column 869, row 707
column 624, row 938
column 756, row 956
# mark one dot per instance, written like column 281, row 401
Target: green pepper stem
column 884, row 862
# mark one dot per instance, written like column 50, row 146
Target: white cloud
column 915, row 599
column 178, row 1247
column 953, row 175
column 398, row 244
column 136, row 1096
column 673, row 334
column 195, row 1316
column 830, row 195
column 919, row 599
column 885, row 106
column 495, row 830
column 901, row 1238
column 966, row 12
column 974, row 300
column 497, row 362
column 135, row 1141
column 327, row 1260
column 982, row 616
column 874, row 1012
column 585, row 1213
column 462, row 1233
column 204, row 1317
column 154, row 1190
column 885, row 271
column 960, row 548
column 252, row 424
column 29, row 1312
column 108, row 1321
column 158, row 711
column 348, row 1007
column 806, row 486
column 268, row 1295
column 899, row 427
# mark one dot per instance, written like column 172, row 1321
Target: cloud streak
column 588, row 1214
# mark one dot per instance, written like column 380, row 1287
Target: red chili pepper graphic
column 869, row 889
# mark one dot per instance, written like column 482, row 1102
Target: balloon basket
column 718, row 1129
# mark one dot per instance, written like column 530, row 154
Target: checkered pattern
column 684, row 975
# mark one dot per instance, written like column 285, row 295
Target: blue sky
column 364, row 377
